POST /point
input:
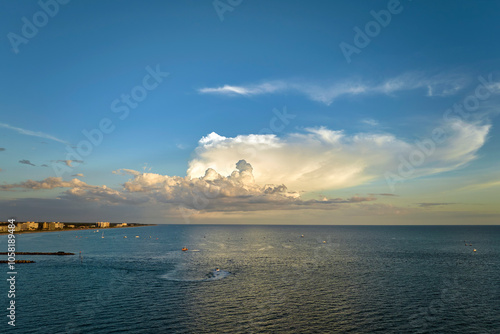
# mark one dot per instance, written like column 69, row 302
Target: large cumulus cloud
column 273, row 173
column 211, row 192
column 322, row 159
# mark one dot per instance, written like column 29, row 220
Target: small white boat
column 125, row 237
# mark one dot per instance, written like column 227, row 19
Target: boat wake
column 214, row 275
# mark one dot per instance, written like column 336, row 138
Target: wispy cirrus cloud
column 426, row 205
column 384, row 194
column 255, row 89
column 434, row 85
column 370, row 122
column 33, row 133
column 479, row 186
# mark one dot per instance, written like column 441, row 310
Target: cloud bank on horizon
column 284, row 173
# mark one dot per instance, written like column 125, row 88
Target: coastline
column 78, row 229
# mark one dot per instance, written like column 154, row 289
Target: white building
column 53, row 226
column 102, row 224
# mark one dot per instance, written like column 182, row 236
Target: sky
column 250, row 112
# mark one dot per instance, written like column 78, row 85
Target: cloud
column 434, row 85
column 33, row 133
column 26, row 162
column 69, row 162
column 210, row 193
column 48, row 183
column 235, row 192
column 103, row 195
column 285, row 172
column 44, row 165
column 2, row 149
column 370, row 122
column 383, row 194
column 479, row 186
column 426, row 205
column 322, row 159
column 256, row 89
column 78, row 174
column 443, row 84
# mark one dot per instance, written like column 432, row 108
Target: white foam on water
column 217, row 275
column 183, row 276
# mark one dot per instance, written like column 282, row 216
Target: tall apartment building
column 102, row 224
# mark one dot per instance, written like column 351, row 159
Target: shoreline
column 77, row 229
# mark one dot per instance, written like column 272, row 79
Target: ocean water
column 334, row 279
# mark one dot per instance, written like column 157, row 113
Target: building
column 31, row 226
column 53, row 226
column 121, row 225
column 4, row 228
column 58, row 226
column 102, row 224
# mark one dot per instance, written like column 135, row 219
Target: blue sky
column 350, row 120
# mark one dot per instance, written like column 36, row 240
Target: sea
column 258, row 279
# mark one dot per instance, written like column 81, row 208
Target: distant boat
column 474, row 249
column 102, row 236
column 302, row 236
column 125, row 237
column 137, row 236
column 184, row 249
column 324, row 241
